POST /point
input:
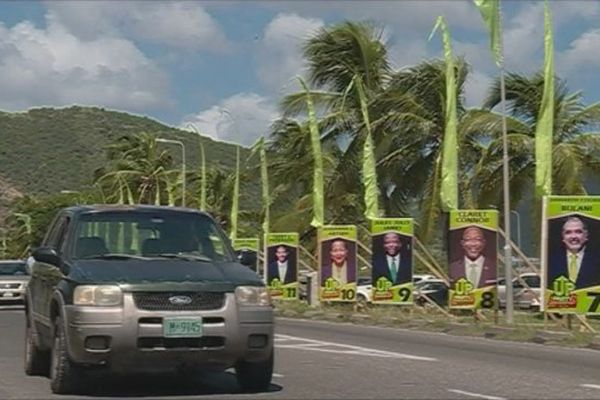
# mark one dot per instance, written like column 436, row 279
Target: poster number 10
column 348, row 294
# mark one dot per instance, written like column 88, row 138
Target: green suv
column 144, row 289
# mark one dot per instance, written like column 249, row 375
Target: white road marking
column 478, row 395
column 276, row 375
column 590, row 386
column 339, row 348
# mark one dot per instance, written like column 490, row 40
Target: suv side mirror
column 247, row 258
column 47, row 255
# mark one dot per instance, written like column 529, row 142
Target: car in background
column 364, row 288
column 13, row 281
column 435, row 290
column 525, row 297
column 423, row 277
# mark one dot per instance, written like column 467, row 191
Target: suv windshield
column 12, row 269
column 133, row 234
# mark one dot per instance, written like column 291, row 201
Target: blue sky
column 223, row 65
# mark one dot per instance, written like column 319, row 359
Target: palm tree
column 136, row 169
column 406, row 110
column 576, row 148
column 335, row 56
column 410, row 125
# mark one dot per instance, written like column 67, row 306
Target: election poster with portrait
column 571, row 254
column 282, row 265
column 472, row 252
column 392, row 260
column 251, row 245
column 337, row 263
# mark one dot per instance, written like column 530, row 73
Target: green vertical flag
column 545, row 123
column 490, row 12
column 203, row 176
column 449, row 186
column 264, row 177
column 368, row 167
column 236, row 194
column 315, row 139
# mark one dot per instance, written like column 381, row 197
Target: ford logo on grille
column 180, row 300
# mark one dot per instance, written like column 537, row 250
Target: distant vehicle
column 364, row 290
column 524, row 298
column 13, row 281
column 435, row 289
column 423, row 277
column 145, row 289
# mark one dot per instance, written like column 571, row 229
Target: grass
column 528, row 326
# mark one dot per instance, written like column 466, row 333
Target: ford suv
column 144, row 289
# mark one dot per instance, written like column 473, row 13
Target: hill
column 46, row 150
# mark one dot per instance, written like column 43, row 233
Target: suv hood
column 156, row 271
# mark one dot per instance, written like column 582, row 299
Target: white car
column 423, row 277
column 524, row 297
column 13, row 281
column 364, row 290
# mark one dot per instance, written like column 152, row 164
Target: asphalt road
column 325, row 360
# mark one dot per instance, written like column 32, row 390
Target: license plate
column 7, row 294
column 182, row 327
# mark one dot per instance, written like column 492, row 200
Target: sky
column 224, row 65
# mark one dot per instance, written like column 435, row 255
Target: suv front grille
column 160, row 301
column 158, row 343
column 10, row 285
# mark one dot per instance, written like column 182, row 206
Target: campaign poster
column 282, row 265
column 571, row 254
column 472, row 253
column 247, row 245
column 392, row 260
column 337, row 262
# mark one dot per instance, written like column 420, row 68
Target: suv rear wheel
column 37, row 361
column 65, row 376
column 255, row 376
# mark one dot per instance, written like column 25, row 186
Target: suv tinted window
column 55, row 239
column 148, row 234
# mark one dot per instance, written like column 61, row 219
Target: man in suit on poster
column 574, row 259
column 473, row 265
column 283, row 267
column 394, row 262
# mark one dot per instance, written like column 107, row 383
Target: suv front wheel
column 36, row 361
column 65, row 376
column 255, row 376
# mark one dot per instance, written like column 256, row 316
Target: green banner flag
column 264, row 177
column 259, row 147
column 490, row 12
column 236, row 194
column 368, row 168
column 545, row 124
column 449, row 187
column 315, row 139
column 203, row 176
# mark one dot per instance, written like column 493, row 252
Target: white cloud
column 279, row 55
column 582, row 52
column 52, row 67
column 404, row 54
column 476, row 88
column 241, row 118
column 407, row 16
column 178, row 24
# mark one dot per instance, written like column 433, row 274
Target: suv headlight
column 92, row 295
column 252, row 296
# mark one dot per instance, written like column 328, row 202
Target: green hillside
column 47, row 150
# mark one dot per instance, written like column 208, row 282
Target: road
column 326, row 360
